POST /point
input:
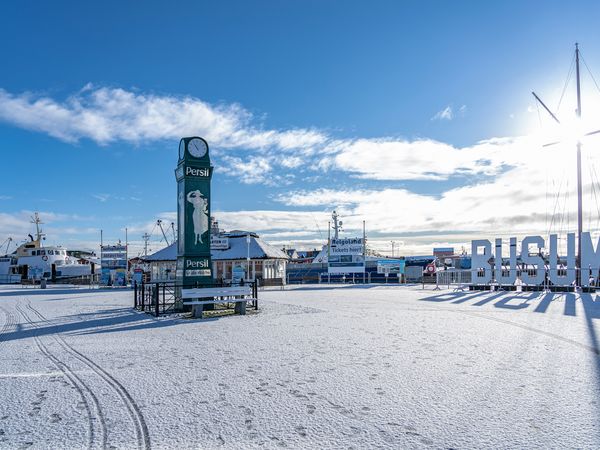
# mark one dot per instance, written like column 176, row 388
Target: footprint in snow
column 301, row 431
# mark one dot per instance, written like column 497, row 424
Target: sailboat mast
column 579, row 188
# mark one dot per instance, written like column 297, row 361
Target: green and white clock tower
column 193, row 174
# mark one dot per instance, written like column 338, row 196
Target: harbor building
column 235, row 255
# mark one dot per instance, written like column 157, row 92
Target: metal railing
column 453, row 277
column 536, row 279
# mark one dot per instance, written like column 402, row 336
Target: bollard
column 156, row 304
column 255, row 294
column 240, row 308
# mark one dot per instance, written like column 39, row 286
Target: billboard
column 219, row 242
column 346, row 256
column 113, row 261
column 387, row 266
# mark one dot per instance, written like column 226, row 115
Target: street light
column 248, row 256
column 393, row 243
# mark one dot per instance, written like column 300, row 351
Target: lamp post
column 393, row 243
column 248, row 256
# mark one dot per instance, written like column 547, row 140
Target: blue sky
column 376, row 108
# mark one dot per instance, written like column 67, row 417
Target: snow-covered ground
column 318, row 367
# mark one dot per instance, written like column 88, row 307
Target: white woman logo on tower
column 200, row 214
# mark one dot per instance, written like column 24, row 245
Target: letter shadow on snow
column 454, row 297
column 484, row 297
column 591, row 310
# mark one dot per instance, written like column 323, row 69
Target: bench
column 218, row 295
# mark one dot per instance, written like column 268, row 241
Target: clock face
column 197, row 147
column 181, row 148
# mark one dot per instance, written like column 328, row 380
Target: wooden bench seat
column 208, row 302
column 239, row 295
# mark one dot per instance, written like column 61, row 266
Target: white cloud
column 444, row 114
column 291, row 162
column 324, row 197
column 106, row 115
column 252, row 170
column 534, row 193
column 391, row 159
column 101, row 197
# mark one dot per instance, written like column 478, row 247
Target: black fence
column 163, row 297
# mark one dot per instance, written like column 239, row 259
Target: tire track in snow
column 8, row 323
column 141, row 429
column 80, row 386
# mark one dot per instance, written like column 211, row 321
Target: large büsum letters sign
column 193, row 176
column 530, row 255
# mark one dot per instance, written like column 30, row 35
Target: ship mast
column 337, row 224
column 579, row 183
column 35, row 219
column 579, row 188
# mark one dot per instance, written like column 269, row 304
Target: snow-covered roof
column 166, row 254
column 257, row 249
column 238, row 249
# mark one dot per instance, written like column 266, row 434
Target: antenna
column 159, row 223
column 174, row 232
column 146, row 238
column 337, row 224
column 7, row 242
column 35, row 219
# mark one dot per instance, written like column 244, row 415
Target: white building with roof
column 233, row 253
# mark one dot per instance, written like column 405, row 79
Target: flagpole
column 579, row 186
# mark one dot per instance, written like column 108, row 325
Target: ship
column 33, row 260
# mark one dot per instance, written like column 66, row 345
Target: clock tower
column 193, row 175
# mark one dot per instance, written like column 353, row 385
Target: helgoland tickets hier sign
column 346, row 256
